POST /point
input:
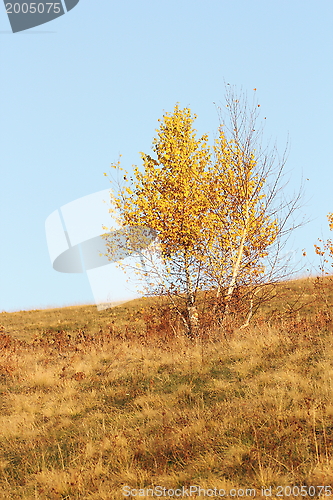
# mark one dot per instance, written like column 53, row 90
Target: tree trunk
column 236, row 266
column 192, row 312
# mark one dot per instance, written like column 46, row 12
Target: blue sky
column 90, row 85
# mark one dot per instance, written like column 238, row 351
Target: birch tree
column 252, row 215
column 213, row 209
column 170, row 197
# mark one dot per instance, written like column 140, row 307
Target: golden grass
column 84, row 415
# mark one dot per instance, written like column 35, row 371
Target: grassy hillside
column 300, row 299
column 96, row 401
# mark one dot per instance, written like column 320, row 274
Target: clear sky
column 90, row 85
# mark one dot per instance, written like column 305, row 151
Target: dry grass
column 83, row 415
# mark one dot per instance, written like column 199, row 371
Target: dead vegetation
column 93, row 401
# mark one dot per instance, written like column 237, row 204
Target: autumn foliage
column 211, row 208
column 326, row 250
